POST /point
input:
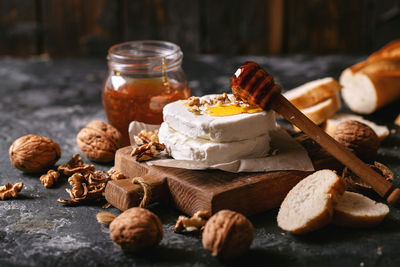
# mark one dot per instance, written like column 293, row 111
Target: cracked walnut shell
column 99, row 141
column 33, row 153
column 136, row 229
column 358, row 137
column 227, row 234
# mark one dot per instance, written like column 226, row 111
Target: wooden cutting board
column 212, row 190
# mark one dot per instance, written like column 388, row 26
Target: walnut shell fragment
column 99, row 141
column 136, row 229
column 355, row 183
column 86, row 187
column 33, row 153
column 75, row 165
column 227, row 234
column 358, row 137
column 8, row 190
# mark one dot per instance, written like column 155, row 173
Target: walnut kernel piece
column 99, row 141
column 8, row 190
column 115, row 175
column 33, row 153
column 148, row 136
column 79, row 189
column 147, row 151
column 75, row 165
column 357, row 137
column 193, row 101
column 50, row 178
column 195, row 110
column 195, row 223
column 227, row 234
column 136, row 229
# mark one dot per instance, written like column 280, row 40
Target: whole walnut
column 358, row 137
column 136, row 229
column 227, row 234
column 99, row 141
column 33, row 153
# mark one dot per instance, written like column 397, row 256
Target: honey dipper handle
column 384, row 188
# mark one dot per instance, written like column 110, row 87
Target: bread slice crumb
column 309, row 205
column 358, row 211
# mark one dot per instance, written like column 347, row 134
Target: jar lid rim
column 166, row 49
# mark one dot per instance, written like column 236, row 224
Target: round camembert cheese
column 215, row 139
column 218, row 128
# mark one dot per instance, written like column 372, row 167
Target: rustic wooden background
column 89, row 27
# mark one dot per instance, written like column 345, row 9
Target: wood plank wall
column 89, row 27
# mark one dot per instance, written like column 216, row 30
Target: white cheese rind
column 219, row 129
column 181, row 147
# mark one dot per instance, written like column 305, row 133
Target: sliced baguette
column 313, row 92
column 375, row 82
column 330, row 125
column 309, row 205
column 358, row 211
column 324, row 110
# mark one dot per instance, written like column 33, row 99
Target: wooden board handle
column 124, row 194
column 383, row 187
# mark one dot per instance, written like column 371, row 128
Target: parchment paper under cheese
column 285, row 154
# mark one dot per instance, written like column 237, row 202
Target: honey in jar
column 143, row 77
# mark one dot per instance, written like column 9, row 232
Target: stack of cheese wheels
column 215, row 139
column 318, row 100
column 375, row 82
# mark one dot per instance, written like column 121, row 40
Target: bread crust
column 313, row 95
column 324, row 111
column 382, row 70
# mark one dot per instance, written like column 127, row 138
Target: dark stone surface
column 57, row 98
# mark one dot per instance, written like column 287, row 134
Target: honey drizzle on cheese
column 231, row 109
column 217, row 108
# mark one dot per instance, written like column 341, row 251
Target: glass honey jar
column 143, row 77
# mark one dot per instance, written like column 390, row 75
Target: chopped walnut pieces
column 86, row 187
column 116, row 175
column 10, row 190
column 147, row 151
column 87, row 184
column 224, row 99
column 197, row 106
column 193, row 101
column 148, row 136
column 195, row 223
column 195, row 110
column 75, row 165
column 50, row 178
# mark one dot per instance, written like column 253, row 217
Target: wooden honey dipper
column 252, row 83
